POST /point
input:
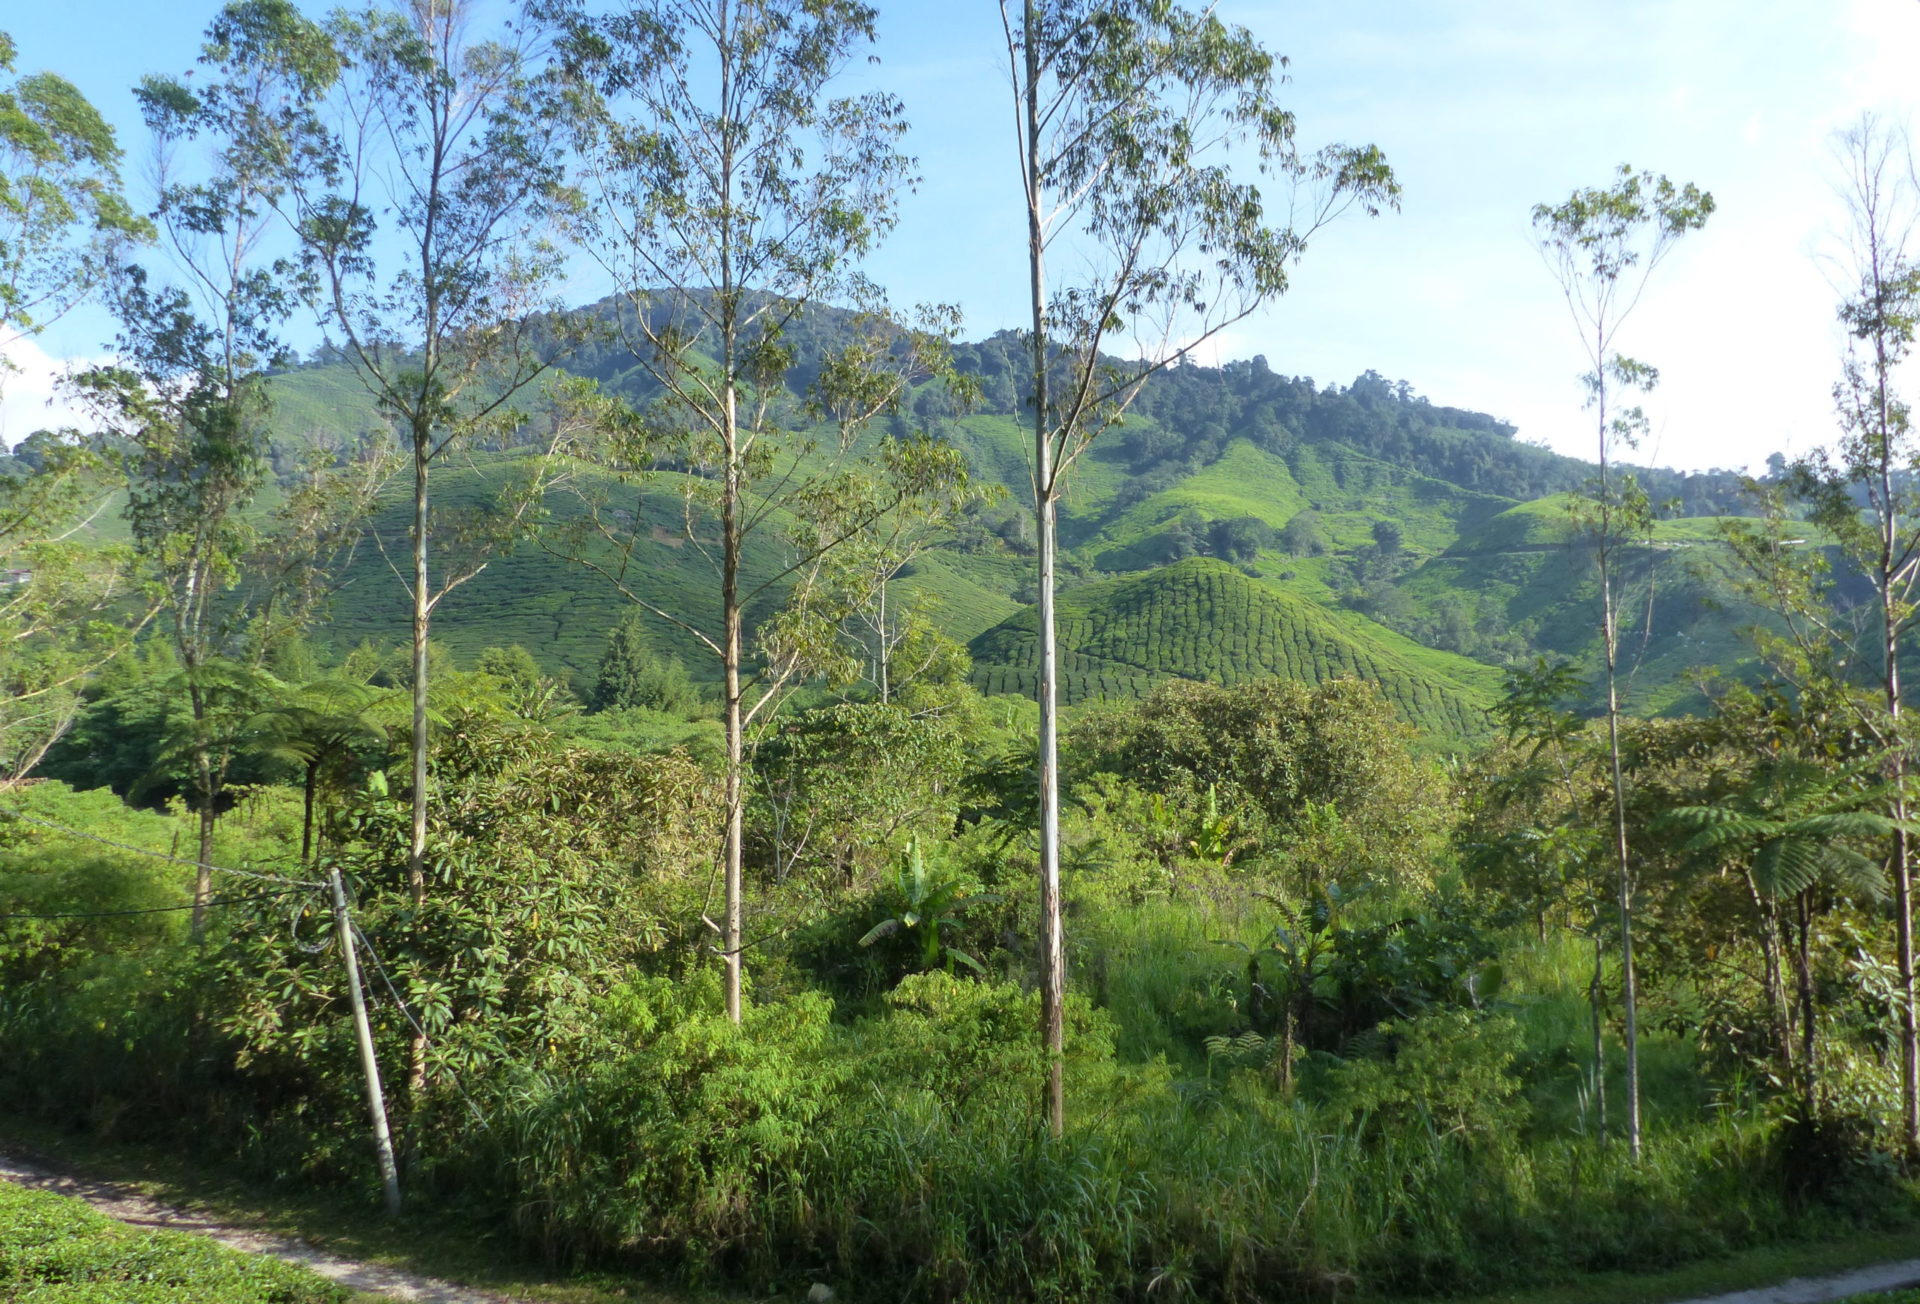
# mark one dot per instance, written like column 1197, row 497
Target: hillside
column 1202, row 619
column 1369, row 531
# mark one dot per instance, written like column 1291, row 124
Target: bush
column 1448, row 1073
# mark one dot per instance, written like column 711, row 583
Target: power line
column 157, row 910
column 381, row 969
column 25, row 818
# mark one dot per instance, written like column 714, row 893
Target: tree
column 188, row 389
column 1787, row 826
column 419, row 203
column 1302, row 536
column 731, row 198
column 1240, row 538
column 1601, row 246
column 1861, row 494
column 320, row 726
column 632, row 675
column 63, row 218
column 1125, row 114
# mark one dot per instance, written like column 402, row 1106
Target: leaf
column 885, row 928
column 954, row 953
column 1784, row 867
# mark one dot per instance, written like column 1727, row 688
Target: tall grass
column 923, row 1173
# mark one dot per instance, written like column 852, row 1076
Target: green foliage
column 1285, row 752
column 644, row 732
column 1448, row 1072
column 932, row 903
column 555, row 870
column 62, row 215
column 1790, row 825
column 631, row 674
column 840, row 788
column 55, row 1250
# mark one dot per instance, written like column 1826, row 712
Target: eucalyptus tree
column 731, row 197
column 63, row 220
column 1130, row 117
column 1860, row 493
column 187, row 391
column 1601, row 246
column 421, row 182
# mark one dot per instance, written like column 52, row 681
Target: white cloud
column 30, row 398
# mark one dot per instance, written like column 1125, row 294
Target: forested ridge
column 735, row 785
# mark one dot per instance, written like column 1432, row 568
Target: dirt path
column 1821, row 1290
column 129, row 1206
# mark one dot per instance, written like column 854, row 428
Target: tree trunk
column 417, row 842
column 1053, row 975
column 885, row 648
column 1629, row 994
column 306, row 817
column 203, row 870
column 422, row 614
column 1596, row 991
column 1053, row 964
column 736, row 756
column 1903, row 943
column 1902, row 868
column 1770, row 932
column 1803, row 973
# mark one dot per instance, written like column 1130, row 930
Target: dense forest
column 739, row 785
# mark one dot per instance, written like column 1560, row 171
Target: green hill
column 560, row 610
column 1203, row 619
column 1478, row 562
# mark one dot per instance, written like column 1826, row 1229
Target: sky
column 1483, row 107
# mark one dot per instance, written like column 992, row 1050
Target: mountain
column 1240, row 522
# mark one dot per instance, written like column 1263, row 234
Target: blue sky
column 1485, row 107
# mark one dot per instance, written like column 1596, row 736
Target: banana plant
column 933, row 900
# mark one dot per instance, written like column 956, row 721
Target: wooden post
column 376, row 1100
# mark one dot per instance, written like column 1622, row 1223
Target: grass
column 1746, row 1270
column 435, row 1243
column 56, row 1248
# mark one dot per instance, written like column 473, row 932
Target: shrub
column 1448, row 1072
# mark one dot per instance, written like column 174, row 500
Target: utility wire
column 381, row 969
column 25, row 818
column 292, row 885
column 156, row 910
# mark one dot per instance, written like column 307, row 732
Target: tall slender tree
column 188, row 389
column 421, row 186
column 1128, row 114
column 1861, row 492
column 732, row 198
column 1602, row 245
